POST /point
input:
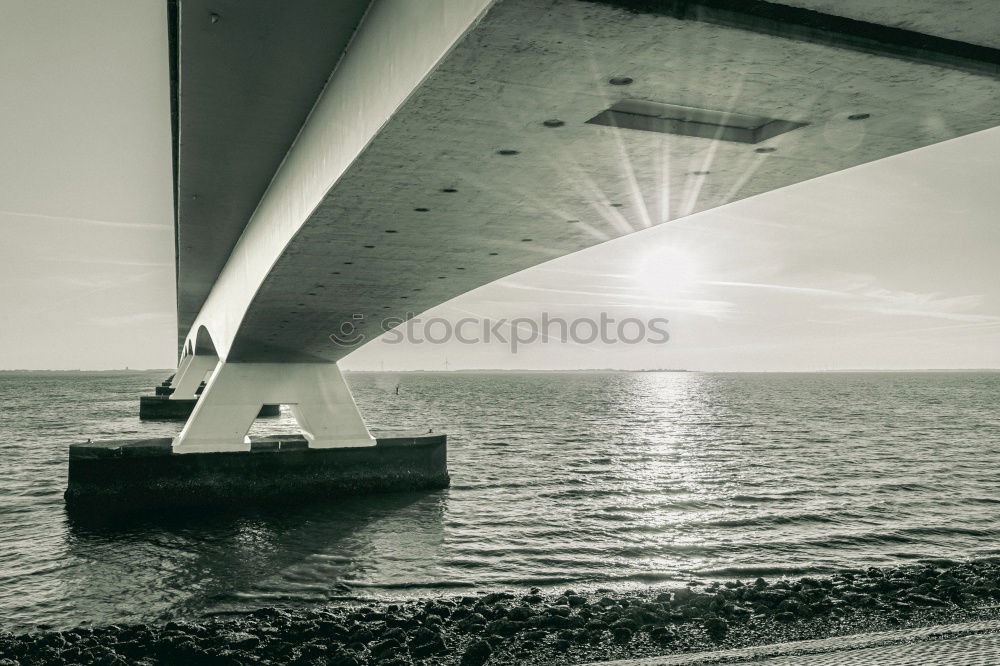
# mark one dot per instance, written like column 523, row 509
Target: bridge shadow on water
column 183, row 563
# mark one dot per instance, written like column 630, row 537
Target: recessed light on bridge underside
column 689, row 121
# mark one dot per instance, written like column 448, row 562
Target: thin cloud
column 84, row 220
column 131, row 319
column 109, row 262
column 782, row 287
column 886, row 301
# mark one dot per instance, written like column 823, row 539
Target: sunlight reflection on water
column 589, row 479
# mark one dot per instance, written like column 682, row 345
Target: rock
column 576, row 600
column 476, row 654
column 558, row 610
column 438, row 609
column 716, row 628
column 397, row 661
column 520, row 613
column 104, row 656
column 474, row 620
column 627, row 623
column 561, row 645
column 385, row 647
column 621, row 635
column 857, row 599
column 494, row 597
column 663, row 635
column 435, row 645
column 925, row 600
column 504, row 627
column 241, row 640
column 361, row 635
column 399, row 635
column 331, row 629
column 341, row 657
column 314, row 650
column 556, row 621
column 489, row 612
column 692, row 612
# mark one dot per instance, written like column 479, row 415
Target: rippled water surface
column 594, row 479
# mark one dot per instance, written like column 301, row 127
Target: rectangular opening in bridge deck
column 690, row 121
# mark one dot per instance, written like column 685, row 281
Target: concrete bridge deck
column 455, row 142
column 963, row 644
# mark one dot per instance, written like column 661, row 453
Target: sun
column 669, row 271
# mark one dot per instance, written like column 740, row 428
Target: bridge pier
column 191, row 372
column 319, row 397
column 214, row 463
column 176, row 398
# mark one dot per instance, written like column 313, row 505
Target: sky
column 891, row 265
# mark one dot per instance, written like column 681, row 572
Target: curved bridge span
column 350, row 161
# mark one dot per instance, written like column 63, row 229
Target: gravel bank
column 528, row 627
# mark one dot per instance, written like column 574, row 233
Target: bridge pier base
column 319, row 398
column 108, row 478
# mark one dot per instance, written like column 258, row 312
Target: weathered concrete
column 125, row 474
column 160, row 408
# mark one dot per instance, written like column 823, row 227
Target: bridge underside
column 433, row 207
column 459, row 141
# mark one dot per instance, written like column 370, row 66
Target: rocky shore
column 529, row 627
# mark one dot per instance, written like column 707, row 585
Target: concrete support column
column 190, row 373
column 319, row 397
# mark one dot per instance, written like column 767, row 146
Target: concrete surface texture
column 239, row 113
column 965, row 644
column 427, row 168
column 971, row 21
